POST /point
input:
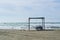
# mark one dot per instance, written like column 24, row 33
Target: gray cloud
column 27, row 8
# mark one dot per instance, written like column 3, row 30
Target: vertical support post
column 29, row 24
column 43, row 23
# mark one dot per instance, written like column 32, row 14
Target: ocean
column 24, row 25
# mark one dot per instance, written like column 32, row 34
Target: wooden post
column 43, row 23
column 29, row 24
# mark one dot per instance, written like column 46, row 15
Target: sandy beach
column 29, row 35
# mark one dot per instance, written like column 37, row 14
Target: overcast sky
column 20, row 10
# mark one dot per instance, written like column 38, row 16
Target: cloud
column 29, row 8
column 8, row 1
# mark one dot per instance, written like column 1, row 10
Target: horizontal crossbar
column 36, row 18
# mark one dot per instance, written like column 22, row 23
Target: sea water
column 24, row 25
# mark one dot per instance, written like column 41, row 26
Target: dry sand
column 29, row 35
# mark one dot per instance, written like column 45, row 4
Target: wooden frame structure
column 42, row 18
